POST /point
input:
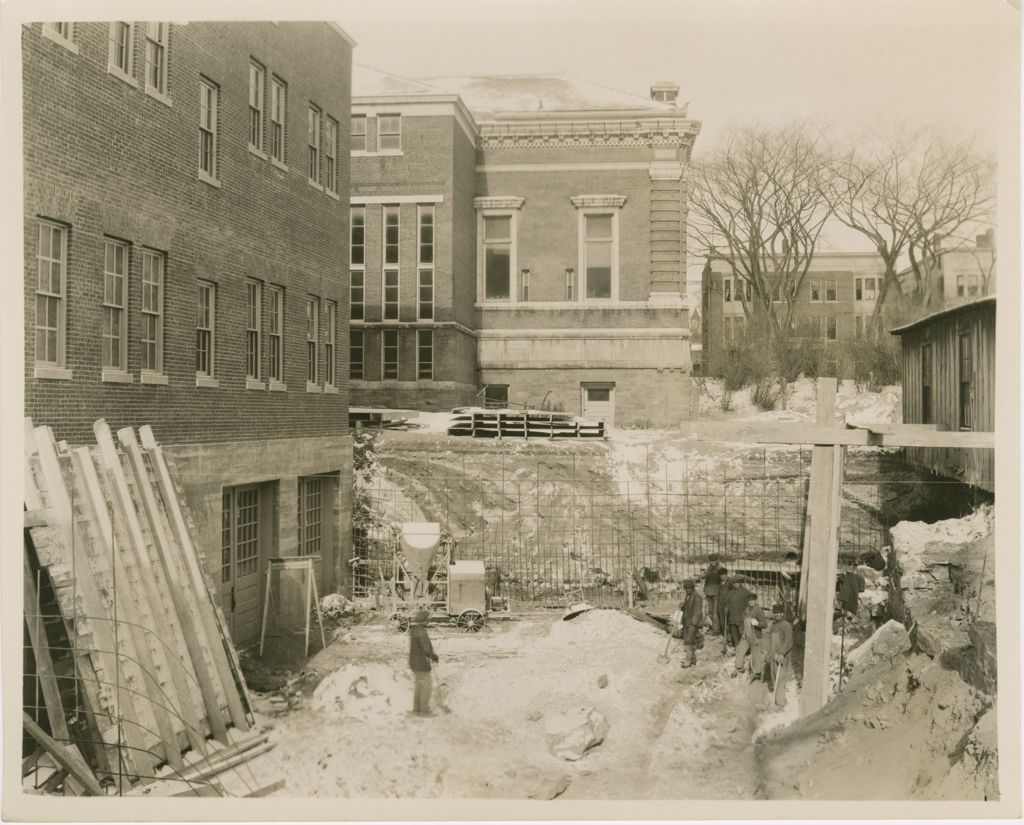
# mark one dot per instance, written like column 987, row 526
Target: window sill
column 156, row 94
column 46, row 372
column 330, row 389
column 50, row 34
column 254, row 384
column 127, row 78
column 313, row 387
column 314, row 184
column 208, row 180
column 152, row 378
column 278, row 386
column 362, row 153
column 282, row 166
column 333, row 194
column 207, row 381
column 116, row 377
column 253, row 150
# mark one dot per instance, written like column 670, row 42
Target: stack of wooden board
column 112, row 572
column 477, row 422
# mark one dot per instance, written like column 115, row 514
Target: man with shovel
column 781, row 644
column 421, row 654
column 692, row 614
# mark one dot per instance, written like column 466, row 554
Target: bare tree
column 913, row 195
column 759, row 203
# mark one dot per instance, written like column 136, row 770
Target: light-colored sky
column 858, row 65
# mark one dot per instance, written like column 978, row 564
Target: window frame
column 965, row 384
column 314, row 123
column 927, row 382
column 55, row 367
column 356, row 367
column 425, row 250
column 482, row 244
column 209, row 103
column 831, row 288
column 275, row 335
column 208, row 376
column 110, row 309
column 355, row 137
column 858, row 289
column 311, row 491
column 424, row 368
column 125, row 71
column 253, row 332
column 815, row 291
column 52, row 31
column 149, row 287
column 312, row 342
column 390, row 292
column 831, row 328
column 383, row 135
column 331, row 156
column 330, row 344
column 425, row 294
column 871, row 286
column 278, row 120
column 161, row 42
column 391, row 295
column 386, row 336
column 726, row 290
column 257, row 104
column 586, row 212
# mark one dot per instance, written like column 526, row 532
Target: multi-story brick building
column 959, row 274
column 835, row 301
column 186, row 232
column 523, row 241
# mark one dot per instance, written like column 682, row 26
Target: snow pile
column 911, row 539
column 335, row 605
column 780, row 717
column 885, row 407
column 434, row 422
column 370, row 692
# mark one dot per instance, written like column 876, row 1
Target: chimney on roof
column 665, row 91
column 986, row 241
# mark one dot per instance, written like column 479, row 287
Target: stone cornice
column 499, row 202
column 585, row 133
column 584, row 201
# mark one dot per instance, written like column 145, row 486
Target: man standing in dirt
column 850, row 587
column 754, row 625
column 780, row 650
column 735, row 607
column 692, row 616
column 712, row 589
column 421, row 654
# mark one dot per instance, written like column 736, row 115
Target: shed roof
column 942, row 313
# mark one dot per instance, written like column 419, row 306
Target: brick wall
column 105, row 159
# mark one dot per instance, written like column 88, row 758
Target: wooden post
column 309, row 608
column 44, row 664
column 266, row 610
column 316, row 602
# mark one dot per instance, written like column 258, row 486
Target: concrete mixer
column 425, row 576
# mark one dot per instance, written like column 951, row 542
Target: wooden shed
column 949, row 371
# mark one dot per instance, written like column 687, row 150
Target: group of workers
column 734, row 614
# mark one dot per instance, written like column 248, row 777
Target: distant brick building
column 186, row 232
column 520, row 240
column 835, row 302
column 958, row 275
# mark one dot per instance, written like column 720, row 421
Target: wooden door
column 599, row 403
column 240, row 561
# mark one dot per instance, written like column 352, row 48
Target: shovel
column 441, row 689
column 663, row 656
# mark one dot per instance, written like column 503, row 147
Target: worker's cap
column 422, row 615
column 688, row 584
column 778, row 608
column 713, row 557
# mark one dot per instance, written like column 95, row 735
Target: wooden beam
column 44, row 664
column 68, row 759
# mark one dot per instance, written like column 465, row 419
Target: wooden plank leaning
column 211, row 619
column 68, row 759
column 44, row 664
column 181, row 593
column 97, row 667
column 145, row 629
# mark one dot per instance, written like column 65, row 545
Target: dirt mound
column 370, row 692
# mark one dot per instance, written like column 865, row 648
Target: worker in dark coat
column 720, row 608
column 851, row 585
column 691, row 619
column 421, row 654
column 735, row 607
column 712, row 590
column 755, row 623
column 780, row 653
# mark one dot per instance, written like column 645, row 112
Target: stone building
column 185, row 229
column 835, row 300
column 520, row 240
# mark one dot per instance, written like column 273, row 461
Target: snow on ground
column 911, row 539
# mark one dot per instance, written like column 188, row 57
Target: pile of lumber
column 478, row 422
column 367, row 419
column 133, row 663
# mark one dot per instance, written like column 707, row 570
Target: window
column 570, row 284
column 275, row 334
column 831, row 328
column 966, row 370
column 278, row 93
column 832, row 290
column 426, row 235
column 119, row 57
column 869, row 288
column 926, row 384
column 51, row 271
column 313, row 139
column 598, row 248
column 777, row 293
column 358, row 136
column 391, row 227
column 62, row 29
column 524, row 285
column 858, row 324
column 389, row 133
column 967, row 285
column 331, row 156
column 357, row 294
column 332, row 332
column 425, row 353
column 425, row 302
column 156, row 57
column 152, row 311
column 206, row 294
column 815, row 290
column 389, row 354
column 311, row 503
column 207, row 130
column 357, row 247
column 355, row 354
column 115, row 319
column 727, row 289
column 312, row 339
column 497, row 242
column 858, row 290
column 390, row 295
column 62, row 33
column 256, row 80
column 496, row 396
column 253, row 316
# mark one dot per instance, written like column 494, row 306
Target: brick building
column 520, row 240
column 186, row 228
column 960, row 274
column 835, row 301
